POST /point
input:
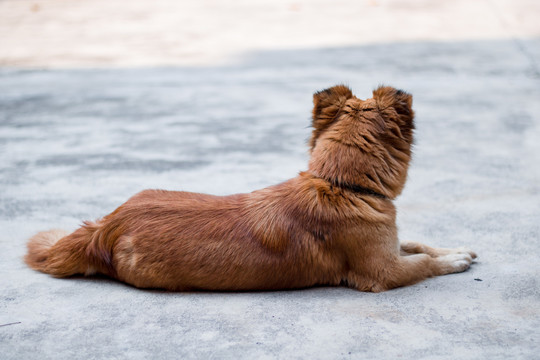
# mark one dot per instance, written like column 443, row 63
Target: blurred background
column 104, row 33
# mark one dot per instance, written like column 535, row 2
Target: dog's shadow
column 98, row 279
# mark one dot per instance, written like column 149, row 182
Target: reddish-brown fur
column 333, row 224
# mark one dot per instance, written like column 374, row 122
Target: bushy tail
column 39, row 246
column 62, row 254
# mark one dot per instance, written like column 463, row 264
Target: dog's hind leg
column 409, row 248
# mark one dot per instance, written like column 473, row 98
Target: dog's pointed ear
column 387, row 96
column 326, row 107
column 397, row 105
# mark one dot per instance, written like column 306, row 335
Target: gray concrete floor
column 76, row 143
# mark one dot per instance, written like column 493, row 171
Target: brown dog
column 333, row 224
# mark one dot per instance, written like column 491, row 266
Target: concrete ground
column 99, row 100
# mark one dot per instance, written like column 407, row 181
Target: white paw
column 465, row 250
column 453, row 263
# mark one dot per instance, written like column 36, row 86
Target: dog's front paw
column 454, row 263
column 465, row 250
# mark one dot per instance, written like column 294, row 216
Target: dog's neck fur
column 329, row 162
column 358, row 189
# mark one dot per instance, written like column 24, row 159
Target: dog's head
column 362, row 142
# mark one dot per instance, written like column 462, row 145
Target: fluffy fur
column 333, row 224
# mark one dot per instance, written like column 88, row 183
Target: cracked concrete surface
column 80, row 133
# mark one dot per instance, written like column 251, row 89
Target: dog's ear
column 326, row 108
column 388, row 98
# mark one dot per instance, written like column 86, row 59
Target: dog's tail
column 61, row 254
